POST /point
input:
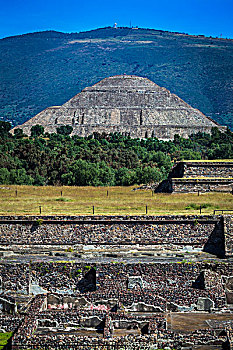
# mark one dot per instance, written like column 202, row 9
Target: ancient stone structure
column 228, row 229
column 176, row 231
column 202, row 176
column 134, row 281
column 201, row 168
column 229, row 290
column 97, row 303
column 7, row 306
column 126, row 104
column 205, row 304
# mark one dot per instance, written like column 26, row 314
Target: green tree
column 20, row 177
column 125, row 177
column 188, row 154
column 106, row 174
column 149, row 175
column 4, row 176
column 65, row 130
column 38, row 179
column 4, row 128
column 18, row 133
column 37, row 130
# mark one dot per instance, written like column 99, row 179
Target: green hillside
column 47, row 68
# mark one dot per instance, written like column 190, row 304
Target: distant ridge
column 55, row 33
column 46, row 68
column 45, row 33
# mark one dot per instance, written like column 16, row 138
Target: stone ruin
column 7, row 306
column 135, row 281
column 199, row 176
column 106, row 304
column 126, row 104
column 229, row 290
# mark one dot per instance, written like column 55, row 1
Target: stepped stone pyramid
column 199, row 176
column 126, row 104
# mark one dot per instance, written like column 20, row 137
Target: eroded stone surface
column 199, row 176
column 127, row 104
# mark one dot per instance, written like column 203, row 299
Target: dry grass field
column 27, row 200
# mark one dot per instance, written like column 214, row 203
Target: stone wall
column 187, row 169
column 7, row 306
column 163, row 281
column 203, row 176
column 203, row 185
column 164, row 132
column 194, row 230
column 216, row 241
column 215, row 169
column 105, row 219
column 228, row 229
column 152, row 230
column 229, row 290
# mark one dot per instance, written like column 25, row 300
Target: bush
column 70, row 249
column 37, row 130
column 65, row 130
column 39, row 222
column 197, row 206
column 62, row 199
column 206, row 205
column 4, row 176
column 192, row 206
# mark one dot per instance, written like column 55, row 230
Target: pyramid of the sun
column 126, row 104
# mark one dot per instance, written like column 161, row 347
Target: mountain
column 44, row 69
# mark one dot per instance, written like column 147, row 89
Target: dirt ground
column 186, row 322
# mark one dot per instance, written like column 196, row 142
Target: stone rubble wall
column 228, row 229
column 189, row 185
column 204, row 232
column 166, row 131
column 108, row 218
column 69, row 234
column 215, row 169
column 188, row 176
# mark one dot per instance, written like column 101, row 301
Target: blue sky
column 208, row 17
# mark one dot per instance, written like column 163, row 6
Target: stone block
column 205, row 304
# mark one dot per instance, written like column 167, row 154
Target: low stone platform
column 218, row 168
column 199, row 176
column 201, row 184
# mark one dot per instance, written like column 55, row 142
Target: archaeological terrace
column 117, row 282
column 199, row 176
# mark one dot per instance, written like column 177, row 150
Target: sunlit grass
column 27, row 200
column 4, row 338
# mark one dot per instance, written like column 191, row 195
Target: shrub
column 70, row 249
column 39, row 222
column 62, row 199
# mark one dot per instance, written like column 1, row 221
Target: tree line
column 99, row 159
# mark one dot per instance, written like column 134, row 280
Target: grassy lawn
column 4, row 338
column 120, row 200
